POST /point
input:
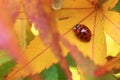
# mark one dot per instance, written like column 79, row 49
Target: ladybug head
column 76, row 27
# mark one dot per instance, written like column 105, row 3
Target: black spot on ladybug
column 82, row 32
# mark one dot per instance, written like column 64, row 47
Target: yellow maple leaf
column 36, row 59
column 88, row 15
column 95, row 15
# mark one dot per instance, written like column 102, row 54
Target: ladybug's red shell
column 82, row 32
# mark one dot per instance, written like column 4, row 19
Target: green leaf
column 73, row 68
column 3, row 57
column 26, row 78
column 61, row 74
column 70, row 61
column 29, row 34
column 117, row 7
column 50, row 74
column 5, row 68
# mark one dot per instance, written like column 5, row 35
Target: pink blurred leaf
column 41, row 14
column 8, row 40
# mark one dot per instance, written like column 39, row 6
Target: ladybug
column 82, row 32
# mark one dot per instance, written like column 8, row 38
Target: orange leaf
column 37, row 60
column 12, row 6
column 109, row 66
column 40, row 58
